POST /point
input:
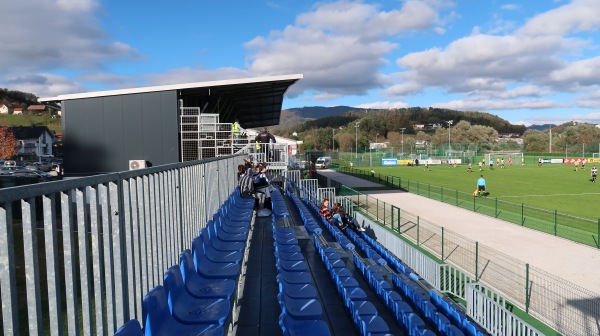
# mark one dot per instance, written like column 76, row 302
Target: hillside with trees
column 394, row 125
column 14, row 99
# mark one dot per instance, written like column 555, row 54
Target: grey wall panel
column 113, row 132
column 170, row 125
column 152, row 134
column 133, row 143
column 103, row 134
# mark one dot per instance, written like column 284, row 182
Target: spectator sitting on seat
column 246, row 182
column 343, row 220
column 325, row 209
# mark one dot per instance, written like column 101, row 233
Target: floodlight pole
column 449, row 146
column 356, row 137
column 333, row 139
column 550, row 139
column 402, row 130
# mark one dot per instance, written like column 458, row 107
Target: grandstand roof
column 254, row 101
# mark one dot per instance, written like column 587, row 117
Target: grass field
column 552, row 187
column 554, row 198
column 24, row 120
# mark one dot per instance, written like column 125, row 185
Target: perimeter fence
column 564, row 306
column 579, row 229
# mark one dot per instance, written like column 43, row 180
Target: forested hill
column 14, row 99
column 403, row 117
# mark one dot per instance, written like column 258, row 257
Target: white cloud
column 383, row 105
column 55, row 35
column 510, row 7
column 585, row 72
column 592, row 118
column 339, row 46
column 576, row 16
column 491, row 105
column 44, row 85
column 590, row 99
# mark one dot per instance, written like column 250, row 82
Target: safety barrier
column 550, row 221
column 538, row 293
column 488, row 309
column 105, row 239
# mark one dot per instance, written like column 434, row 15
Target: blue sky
column 529, row 62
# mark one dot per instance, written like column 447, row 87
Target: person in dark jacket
column 264, row 138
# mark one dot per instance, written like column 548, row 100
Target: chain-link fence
column 549, row 221
column 562, row 305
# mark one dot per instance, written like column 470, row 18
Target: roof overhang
column 254, row 101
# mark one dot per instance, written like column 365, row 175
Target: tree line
column 396, row 127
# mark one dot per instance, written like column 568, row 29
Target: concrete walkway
column 571, row 261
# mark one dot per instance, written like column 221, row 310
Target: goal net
column 516, row 157
column 596, row 155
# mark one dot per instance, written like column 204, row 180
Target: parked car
column 9, row 163
column 7, row 170
column 43, row 166
column 40, row 176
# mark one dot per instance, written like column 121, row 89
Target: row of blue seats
column 197, row 294
column 407, row 319
column 451, row 313
column 337, row 234
column 308, row 220
column 448, row 308
column 279, row 209
column 391, row 259
column 301, row 312
column 364, row 314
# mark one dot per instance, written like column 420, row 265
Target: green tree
column 535, row 141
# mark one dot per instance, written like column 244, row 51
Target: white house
column 3, row 109
column 18, row 110
column 34, row 140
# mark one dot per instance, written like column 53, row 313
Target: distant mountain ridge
column 540, row 127
column 315, row 112
column 302, row 118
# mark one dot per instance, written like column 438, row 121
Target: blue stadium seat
column 291, row 265
column 290, row 256
column 293, row 327
column 188, row 309
column 211, row 269
column 373, row 325
column 225, row 236
column 130, row 328
column 201, row 287
column 201, row 242
column 221, row 245
column 300, row 309
column 295, row 277
column 159, row 322
column 297, row 291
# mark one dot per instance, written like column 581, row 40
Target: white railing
column 489, row 310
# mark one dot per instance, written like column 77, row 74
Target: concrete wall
column 101, row 135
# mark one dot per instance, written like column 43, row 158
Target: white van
column 323, row 162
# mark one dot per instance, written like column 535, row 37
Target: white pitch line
column 582, row 194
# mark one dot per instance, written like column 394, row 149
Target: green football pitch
column 552, row 186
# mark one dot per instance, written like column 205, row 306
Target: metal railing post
column 418, row 230
column 496, row 210
column 476, row 261
column 400, row 222
column 527, row 288
column 442, row 194
column 456, row 197
column 442, row 243
column 522, row 214
column 555, row 223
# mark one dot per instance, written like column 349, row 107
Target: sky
column 530, row 62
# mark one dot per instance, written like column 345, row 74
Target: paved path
column 571, row 261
